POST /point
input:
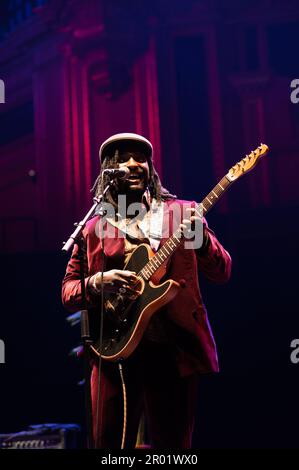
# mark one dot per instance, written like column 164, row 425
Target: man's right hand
column 113, row 280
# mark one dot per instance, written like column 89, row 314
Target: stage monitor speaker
column 43, row 436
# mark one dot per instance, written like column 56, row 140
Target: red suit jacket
column 195, row 347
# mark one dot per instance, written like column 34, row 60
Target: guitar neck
column 169, row 247
column 239, row 169
column 210, row 200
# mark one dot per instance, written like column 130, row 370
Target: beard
column 133, row 186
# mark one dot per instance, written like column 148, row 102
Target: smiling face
column 133, row 157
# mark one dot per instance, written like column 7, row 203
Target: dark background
column 206, row 82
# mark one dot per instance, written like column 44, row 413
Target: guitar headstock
column 247, row 163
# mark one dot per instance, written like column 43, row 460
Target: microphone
column 120, row 173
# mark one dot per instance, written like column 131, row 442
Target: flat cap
column 110, row 145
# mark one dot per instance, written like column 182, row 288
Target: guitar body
column 126, row 318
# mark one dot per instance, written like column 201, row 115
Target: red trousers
column 154, row 386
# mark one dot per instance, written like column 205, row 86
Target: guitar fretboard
column 162, row 255
column 211, row 199
column 168, row 248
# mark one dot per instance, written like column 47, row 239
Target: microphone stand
column 77, row 238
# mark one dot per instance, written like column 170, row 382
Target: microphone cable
column 97, row 417
column 120, row 368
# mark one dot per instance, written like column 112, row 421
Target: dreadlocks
column 155, row 187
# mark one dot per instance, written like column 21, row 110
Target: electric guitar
column 126, row 316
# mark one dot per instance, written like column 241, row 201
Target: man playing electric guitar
column 154, row 320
